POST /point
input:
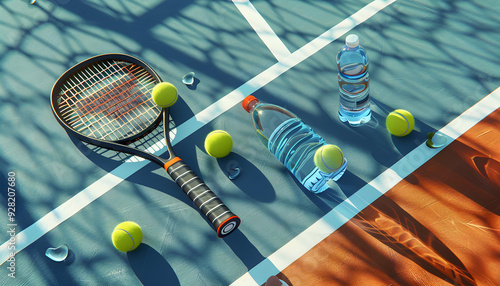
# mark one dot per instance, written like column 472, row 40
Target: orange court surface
column 439, row 226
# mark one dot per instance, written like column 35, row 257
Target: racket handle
column 223, row 220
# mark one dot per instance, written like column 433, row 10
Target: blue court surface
column 438, row 59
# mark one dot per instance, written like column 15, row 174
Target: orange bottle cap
column 246, row 102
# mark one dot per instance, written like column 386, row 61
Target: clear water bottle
column 292, row 142
column 354, row 82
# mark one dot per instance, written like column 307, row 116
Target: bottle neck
column 352, row 48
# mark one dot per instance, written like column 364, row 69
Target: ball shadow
column 151, row 268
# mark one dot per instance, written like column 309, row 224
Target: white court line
column 262, row 28
column 122, row 172
column 346, row 210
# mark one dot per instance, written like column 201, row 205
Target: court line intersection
column 262, row 28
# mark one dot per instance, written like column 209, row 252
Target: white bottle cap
column 352, row 41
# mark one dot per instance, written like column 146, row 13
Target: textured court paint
column 397, row 22
column 72, row 206
column 334, row 219
column 262, row 28
column 51, row 220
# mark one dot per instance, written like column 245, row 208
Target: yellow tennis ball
column 127, row 236
column 218, row 143
column 328, row 158
column 165, row 94
column 400, row 122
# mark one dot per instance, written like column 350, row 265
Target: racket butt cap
column 228, row 226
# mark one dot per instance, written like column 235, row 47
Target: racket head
column 107, row 98
column 106, row 101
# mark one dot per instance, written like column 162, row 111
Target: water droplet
column 57, row 254
column 188, row 79
column 436, row 140
column 232, row 173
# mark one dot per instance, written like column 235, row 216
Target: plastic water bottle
column 354, row 82
column 291, row 141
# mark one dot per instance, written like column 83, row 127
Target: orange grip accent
column 171, row 162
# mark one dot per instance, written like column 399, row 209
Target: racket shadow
column 150, row 176
column 108, row 160
column 151, row 268
column 244, row 249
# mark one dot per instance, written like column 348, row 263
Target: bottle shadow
column 397, row 229
column 474, row 173
column 337, row 192
column 391, row 225
column 488, row 170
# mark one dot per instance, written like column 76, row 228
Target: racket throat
column 170, row 162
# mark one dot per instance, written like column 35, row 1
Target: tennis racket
column 106, row 101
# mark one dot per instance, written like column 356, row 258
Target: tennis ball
column 127, row 236
column 165, row 94
column 400, row 122
column 328, row 158
column 218, row 143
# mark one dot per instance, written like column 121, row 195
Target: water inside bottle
column 352, row 63
column 294, row 144
column 354, row 89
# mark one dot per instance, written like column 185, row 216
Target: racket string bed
column 82, row 85
column 87, row 99
column 117, row 105
column 109, row 101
